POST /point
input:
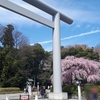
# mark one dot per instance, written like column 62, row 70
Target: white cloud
column 67, row 7
column 88, row 26
column 82, row 16
column 70, row 37
column 78, row 26
column 7, row 16
column 45, row 42
column 82, row 34
column 80, row 12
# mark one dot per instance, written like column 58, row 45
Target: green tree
column 78, row 51
column 20, row 61
column 9, row 65
column 30, row 58
column 7, row 38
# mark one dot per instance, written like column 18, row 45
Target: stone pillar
column 29, row 90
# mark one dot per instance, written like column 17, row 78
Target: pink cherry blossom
column 73, row 67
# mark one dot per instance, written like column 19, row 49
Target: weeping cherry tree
column 73, row 67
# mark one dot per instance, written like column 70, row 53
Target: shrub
column 69, row 88
column 10, row 90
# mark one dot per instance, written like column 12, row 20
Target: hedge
column 10, row 90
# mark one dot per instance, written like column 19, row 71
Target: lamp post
column 78, row 82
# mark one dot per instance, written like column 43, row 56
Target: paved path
column 17, row 96
column 10, row 96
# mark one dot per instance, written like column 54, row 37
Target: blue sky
column 84, row 30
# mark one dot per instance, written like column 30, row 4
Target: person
column 95, row 93
column 42, row 92
column 24, row 90
column 48, row 87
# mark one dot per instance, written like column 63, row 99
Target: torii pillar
column 55, row 25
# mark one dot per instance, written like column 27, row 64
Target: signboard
column 24, row 97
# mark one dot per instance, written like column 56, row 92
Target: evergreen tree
column 7, row 38
column 78, row 51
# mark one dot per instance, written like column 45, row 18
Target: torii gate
column 55, row 25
